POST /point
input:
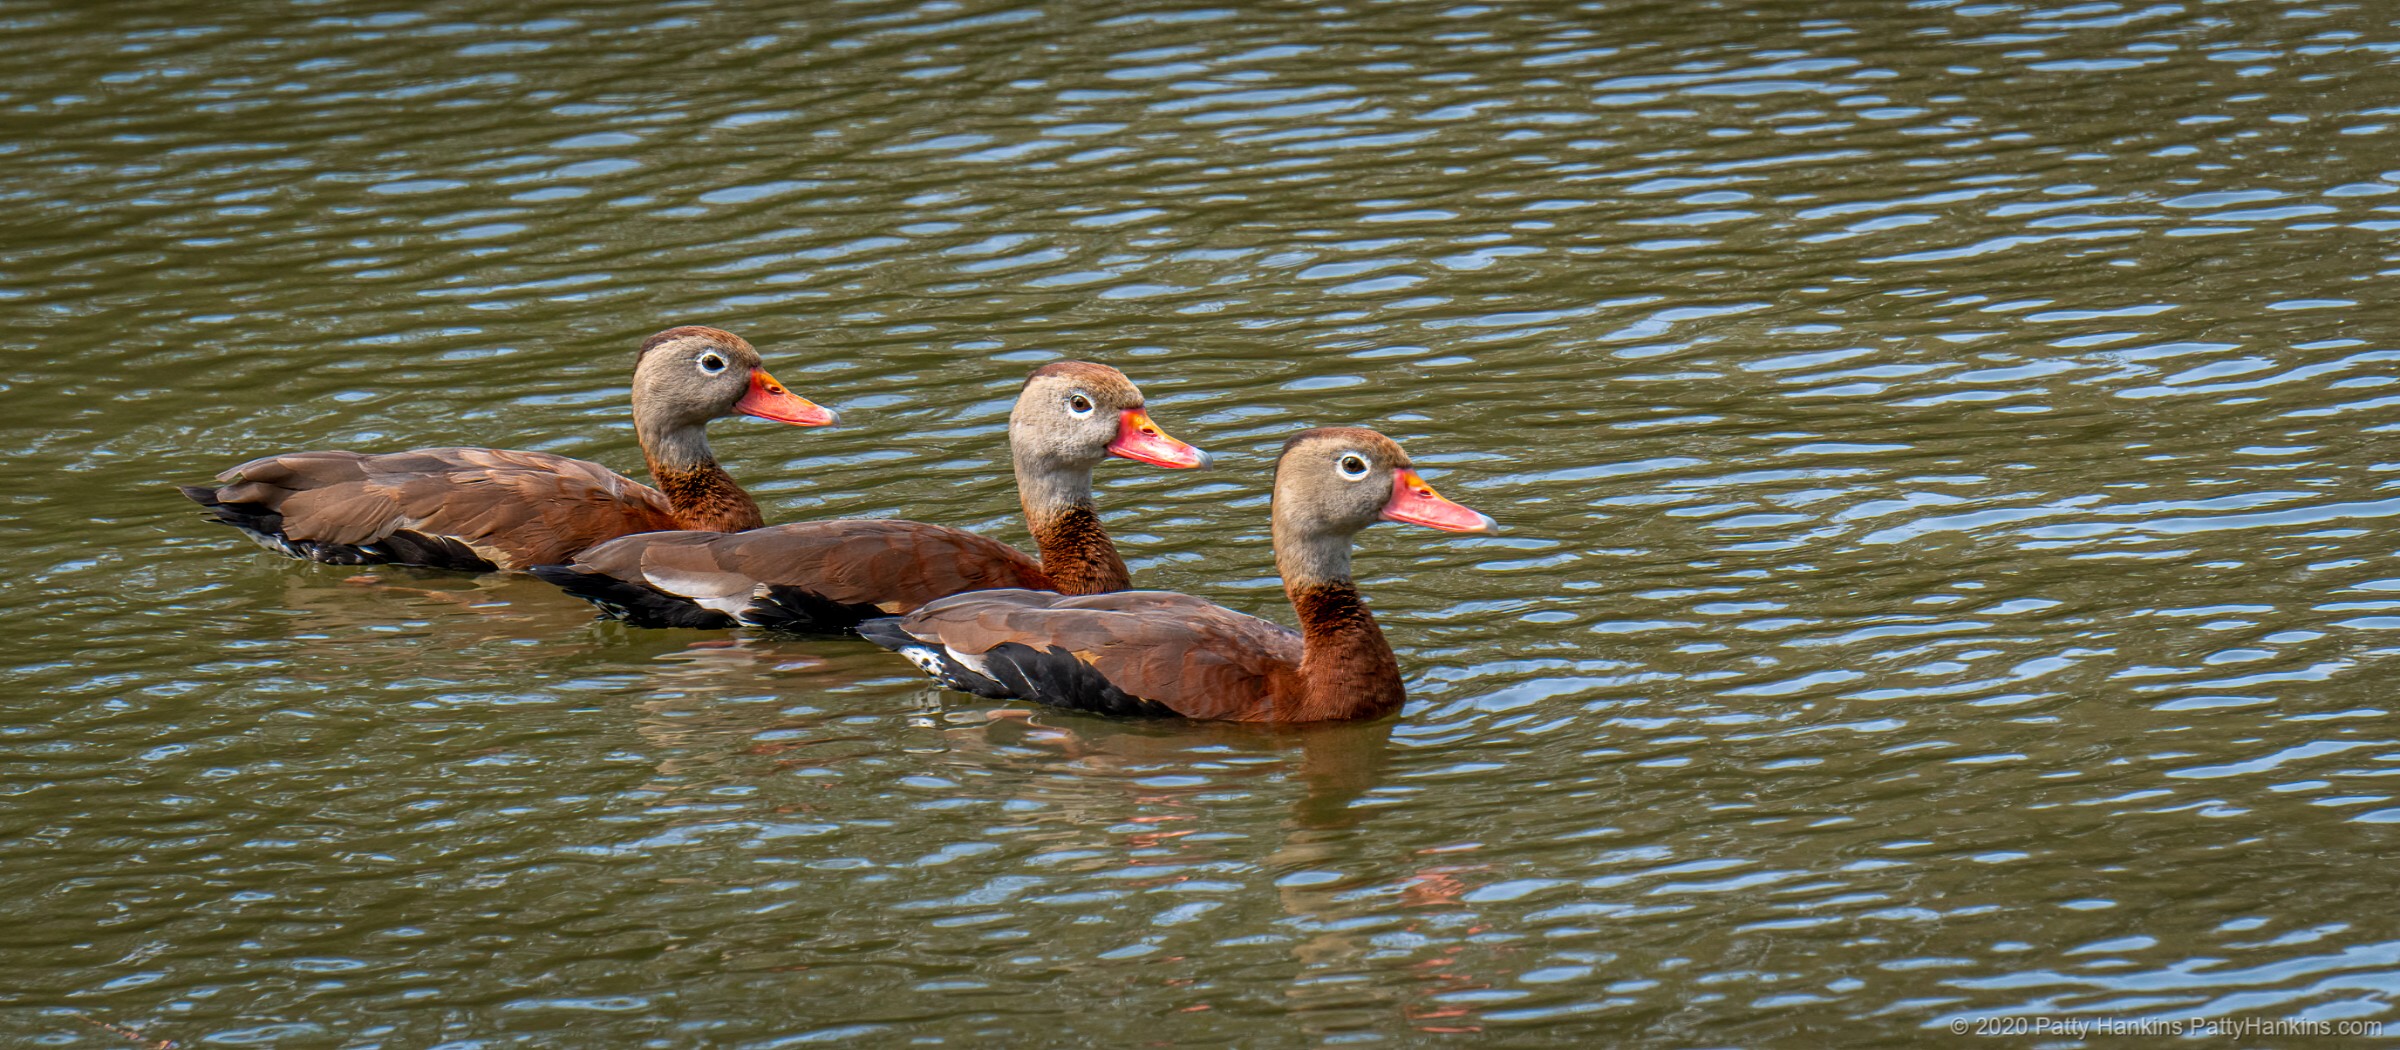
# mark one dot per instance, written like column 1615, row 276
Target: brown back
column 893, row 565
column 1197, row 658
column 515, row 509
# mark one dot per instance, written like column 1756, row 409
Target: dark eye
column 711, row 364
column 1352, row 466
column 1079, row 404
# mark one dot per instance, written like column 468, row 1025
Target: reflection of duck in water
column 480, row 509
column 734, row 709
column 1095, row 762
column 1097, row 773
column 707, row 698
column 372, row 599
column 1166, row 778
column 386, row 623
column 1336, row 916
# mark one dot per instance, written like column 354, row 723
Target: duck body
column 470, row 509
column 815, row 577
column 1130, row 653
column 1156, row 653
column 482, row 509
column 828, row 576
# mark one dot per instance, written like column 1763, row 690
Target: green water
column 1946, row 454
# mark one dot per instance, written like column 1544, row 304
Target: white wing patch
column 979, row 664
column 706, row 590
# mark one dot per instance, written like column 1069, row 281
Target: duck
column 1163, row 654
column 824, row 577
column 486, row 510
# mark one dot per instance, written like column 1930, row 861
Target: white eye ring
column 1351, row 466
column 711, row 363
column 1078, row 405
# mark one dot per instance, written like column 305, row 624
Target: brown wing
column 514, row 509
column 1195, row 658
column 894, row 566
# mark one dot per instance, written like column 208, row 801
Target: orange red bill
column 1415, row 502
column 1141, row 440
column 768, row 399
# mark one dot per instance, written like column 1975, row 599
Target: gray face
column 1068, row 418
column 1337, row 481
column 693, row 379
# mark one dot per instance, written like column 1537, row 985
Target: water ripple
column 1940, row 575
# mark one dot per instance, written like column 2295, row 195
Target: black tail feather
column 635, row 603
column 248, row 517
column 1016, row 672
column 801, row 611
column 265, row 526
column 1054, row 676
column 423, row 550
column 885, row 631
column 930, row 658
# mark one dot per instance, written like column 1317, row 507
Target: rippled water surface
column 1946, row 452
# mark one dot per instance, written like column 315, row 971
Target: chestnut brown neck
column 1057, row 497
column 1076, row 552
column 699, row 492
column 705, row 498
column 1347, row 669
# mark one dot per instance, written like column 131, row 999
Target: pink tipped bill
column 1141, row 440
column 768, row 399
column 1415, row 502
